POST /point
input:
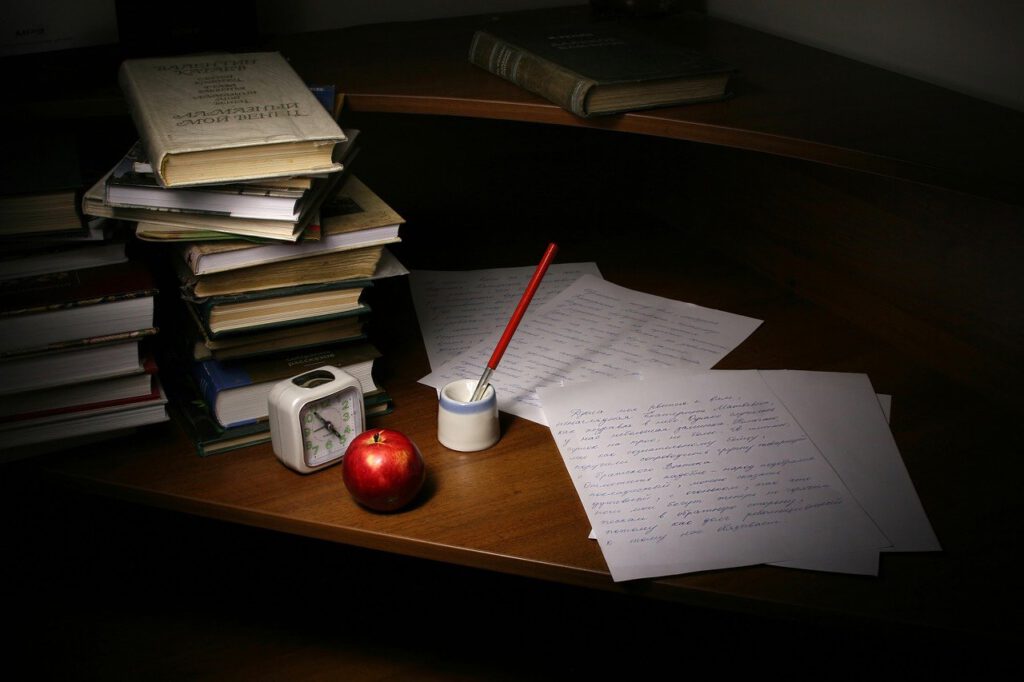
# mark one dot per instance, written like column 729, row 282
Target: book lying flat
column 273, row 308
column 88, row 360
column 75, row 304
column 81, row 397
column 94, row 203
column 354, row 217
column 39, row 190
column 237, row 391
column 601, row 67
column 45, row 259
column 135, row 190
column 210, row 438
column 227, row 117
column 62, row 428
column 358, row 263
column 291, row 338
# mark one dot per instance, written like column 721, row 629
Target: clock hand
column 327, row 425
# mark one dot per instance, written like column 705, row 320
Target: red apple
column 383, row 469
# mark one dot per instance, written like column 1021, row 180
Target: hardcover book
column 337, row 266
column 70, row 363
column 39, row 312
column 278, row 340
column 128, row 189
column 237, row 391
column 229, row 117
column 94, row 203
column 354, row 217
column 272, row 308
column 210, row 438
column 40, row 183
column 81, row 397
column 60, row 429
column 598, row 68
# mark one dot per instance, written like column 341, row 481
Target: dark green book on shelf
column 599, row 68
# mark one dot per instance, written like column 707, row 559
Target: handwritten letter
column 459, row 309
column 597, row 330
column 686, row 473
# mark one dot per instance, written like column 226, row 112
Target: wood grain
column 790, row 100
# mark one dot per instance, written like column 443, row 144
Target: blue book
column 237, row 390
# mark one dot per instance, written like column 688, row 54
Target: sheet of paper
column 841, row 413
column 864, row 562
column 596, row 330
column 457, row 310
column 682, row 473
column 389, row 266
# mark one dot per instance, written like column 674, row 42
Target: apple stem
column 376, row 437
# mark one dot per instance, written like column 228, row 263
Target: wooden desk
column 799, row 202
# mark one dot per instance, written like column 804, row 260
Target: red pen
column 510, row 328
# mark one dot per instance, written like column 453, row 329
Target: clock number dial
column 327, row 428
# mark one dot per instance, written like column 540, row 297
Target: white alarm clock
column 314, row 416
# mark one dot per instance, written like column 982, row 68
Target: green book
column 599, row 68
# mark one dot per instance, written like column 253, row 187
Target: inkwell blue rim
column 459, row 407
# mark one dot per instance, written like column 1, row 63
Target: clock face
column 328, row 426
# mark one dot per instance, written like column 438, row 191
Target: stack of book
column 74, row 314
column 252, row 314
column 270, row 238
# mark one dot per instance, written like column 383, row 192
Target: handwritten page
column 844, row 397
column 458, row 309
column 598, row 330
column 691, row 472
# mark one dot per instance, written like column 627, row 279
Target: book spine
column 145, row 123
column 213, row 377
column 540, row 76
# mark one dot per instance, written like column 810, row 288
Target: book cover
column 282, row 339
column 75, row 304
column 268, row 309
column 210, row 438
column 94, row 203
column 354, row 217
column 237, row 391
column 128, row 189
column 598, row 68
column 84, row 360
column 40, row 182
column 359, row 263
column 83, row 396
column 21, row 439
column 58, row 257
column 206, row 433
column 228, row 117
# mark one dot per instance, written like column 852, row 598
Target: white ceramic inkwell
column 465, row 424
column 467, row 414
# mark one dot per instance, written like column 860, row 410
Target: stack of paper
column 682, row 468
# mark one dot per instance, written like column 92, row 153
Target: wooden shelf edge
column 655, row 125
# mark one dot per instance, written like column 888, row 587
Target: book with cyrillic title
column 221, row 118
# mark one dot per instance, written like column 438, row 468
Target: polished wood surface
column 514, row 510
column 851, row 271
column 790, row 99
